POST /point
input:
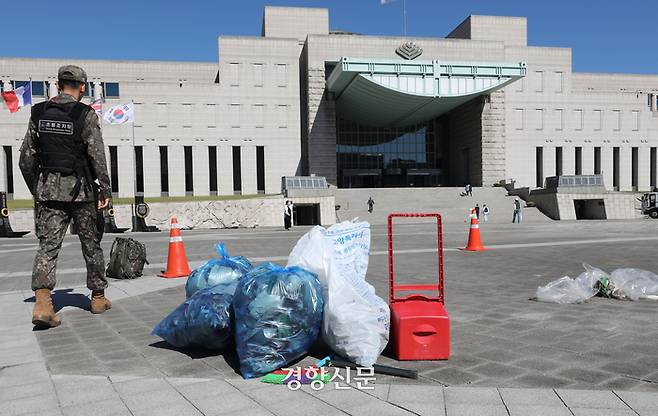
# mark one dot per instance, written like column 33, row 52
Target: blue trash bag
column 278, row 315
column 204, row 320
column 225, row 269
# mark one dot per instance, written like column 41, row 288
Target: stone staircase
column 445, row 200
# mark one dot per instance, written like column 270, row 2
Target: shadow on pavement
column 229, row 355
column 65, row 297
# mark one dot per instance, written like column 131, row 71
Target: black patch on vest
column 57, row 127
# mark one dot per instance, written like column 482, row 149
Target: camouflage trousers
column 52, row 221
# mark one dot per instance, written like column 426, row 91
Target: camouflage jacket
column 56, row 187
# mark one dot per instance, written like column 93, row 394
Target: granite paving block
column 541, row 381
column 585, row 375
column 602, row 412
column 639, row 400
column 377, row 408
column 530, row 410
column 140, row 385
column 530, row 397
column 463, row 409
column 591, row 399
column 223, row 404
column 415, row 393
column 499, row 371
column 472, row 395
column 110, row 407
column 452, row 376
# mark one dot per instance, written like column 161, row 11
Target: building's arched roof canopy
column 393, row 93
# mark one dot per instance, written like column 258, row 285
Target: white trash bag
column 568, row 290
column 356, row 321
column 635, row 283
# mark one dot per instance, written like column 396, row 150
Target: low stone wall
column 560, row 206
column 239, row 213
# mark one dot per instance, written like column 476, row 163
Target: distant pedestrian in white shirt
column 485, row 212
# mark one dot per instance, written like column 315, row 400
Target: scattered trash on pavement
column 625, row 283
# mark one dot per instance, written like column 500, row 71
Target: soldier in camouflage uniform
column 63, row 162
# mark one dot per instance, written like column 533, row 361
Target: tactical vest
column 59, row 141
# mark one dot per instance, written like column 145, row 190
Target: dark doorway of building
column 306, row 214
column 589, row 209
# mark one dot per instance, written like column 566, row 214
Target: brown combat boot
column 44, row 312
column 99, row 303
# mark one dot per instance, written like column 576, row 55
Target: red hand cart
column 420, row 325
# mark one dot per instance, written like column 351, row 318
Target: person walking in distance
column 371, row 204
column 62, row 160
column 469, row 189
column 477, row 211
column 518, row 216
column 287, row 215
column 485, row 212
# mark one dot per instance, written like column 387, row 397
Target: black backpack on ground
column 127, row 259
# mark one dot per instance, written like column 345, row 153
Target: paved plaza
column 510, row 354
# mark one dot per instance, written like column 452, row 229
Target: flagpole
column 132, row 104
column 404, row 13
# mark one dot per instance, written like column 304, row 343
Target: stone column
column 126, row 169
column 607, row 166
column 176, row 170
column 321, row 134
column 248, row 164
column 493, row 139
column 21, row 191
column 568, row 159
column 200, row 170
column 549, row 160
column 643, row 168
column 151, row 165
column 224, row 169
column 654, row 102
column 588, row 159
column 625, row 168
column 3, row 170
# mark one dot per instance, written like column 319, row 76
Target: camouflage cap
column 73, row 73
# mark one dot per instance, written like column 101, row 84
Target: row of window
column 598, row 169
column 40, row 88
column 236, row 155
column 579, row 119
column 543, row 81
column 257, row 75
column 191, row 114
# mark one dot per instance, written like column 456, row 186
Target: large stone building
column 477, row 106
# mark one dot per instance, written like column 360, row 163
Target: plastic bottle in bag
column 278, row 313
column 225, row 269
column 204, row 320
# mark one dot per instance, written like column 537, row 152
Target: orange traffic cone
column 474, row 241
column 177, row 260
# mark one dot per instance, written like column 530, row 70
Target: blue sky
column 605, row 35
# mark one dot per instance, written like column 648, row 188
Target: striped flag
column 97, row 106
column 19, row 97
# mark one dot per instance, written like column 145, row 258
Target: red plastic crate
column 420, row 325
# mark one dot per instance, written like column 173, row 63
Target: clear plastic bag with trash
column 568, row 290
column 204, row 320
column 278, row 313
column 635, row 283
column 225, row 269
